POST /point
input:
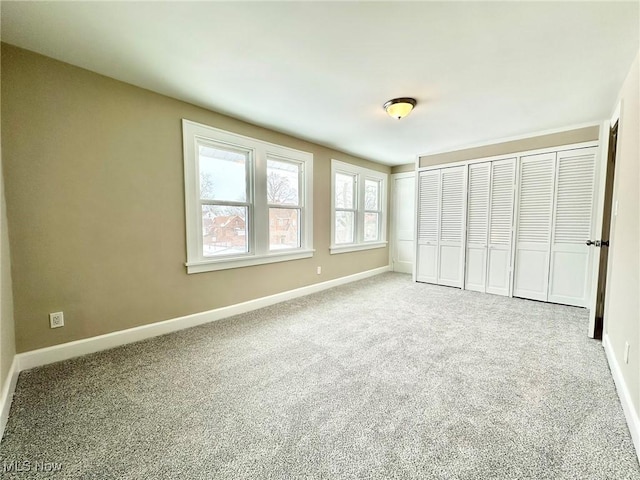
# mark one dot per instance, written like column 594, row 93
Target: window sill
column 355, row 247
column 246, row 261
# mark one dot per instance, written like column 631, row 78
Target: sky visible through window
column 223, row 174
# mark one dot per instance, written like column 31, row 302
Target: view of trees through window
column 358, row 207
column 371, row 210
column 283, row 197
column 223, row 193
column 345, row 208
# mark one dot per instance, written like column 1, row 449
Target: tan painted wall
column 408, row 167
column 585, row 134
column 622, row 307
column 95, row 197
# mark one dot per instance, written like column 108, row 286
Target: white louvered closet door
column 428, row 223
column 570, row 256
column 451, row 232
column 477, row 226
column 503, row 174
column 533, row 236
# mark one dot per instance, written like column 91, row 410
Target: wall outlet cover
column 56, row 319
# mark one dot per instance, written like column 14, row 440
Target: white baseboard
column 633, row 421
column 6, row 396
column 44, row 356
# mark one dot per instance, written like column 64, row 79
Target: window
column 358, row 208
column 248, row 202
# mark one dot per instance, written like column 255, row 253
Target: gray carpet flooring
column 382, row 378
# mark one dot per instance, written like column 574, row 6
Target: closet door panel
column 477, row 226
column 533, row 238
column 498, row 271
column 428, row 226
column 570, row 256
column 500, row 226
column 451, row 232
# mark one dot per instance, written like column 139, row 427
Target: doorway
column 402, row 221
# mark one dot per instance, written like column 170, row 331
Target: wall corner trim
column 633, row 421
column 65, row 351
column 6, row 396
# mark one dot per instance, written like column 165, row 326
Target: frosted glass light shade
column 400, row 107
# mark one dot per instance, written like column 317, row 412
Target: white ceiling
column 322, row 70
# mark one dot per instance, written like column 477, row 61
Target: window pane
column 222, row 174
column 371, row 230
column 344, row 227
column 224, row 230
column 371, row 194
column 284, row 228
column 282, row 183
column 344, row 190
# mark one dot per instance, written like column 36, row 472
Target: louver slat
column 502, row 203
column 574, row 199
column 536, row 200
column 478, row 204
column 428, row 206
column 452, row 206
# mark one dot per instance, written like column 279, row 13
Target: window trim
column 361, row 174
column 257, row 227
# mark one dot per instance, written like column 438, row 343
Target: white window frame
column 257, row 227
column 361, row 174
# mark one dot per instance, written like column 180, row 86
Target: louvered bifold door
column 500, row 226
column 533, row 234
column 451, row 232
column 570, row 256
column 428, row 223
column 477, row 226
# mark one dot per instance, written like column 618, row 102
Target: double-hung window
column 247, row 201
column 358, row 206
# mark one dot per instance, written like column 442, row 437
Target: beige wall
column 532, row 143
column 95, row 197
column 622, row 307
column 408, row 167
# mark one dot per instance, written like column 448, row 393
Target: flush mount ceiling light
column 400, row 107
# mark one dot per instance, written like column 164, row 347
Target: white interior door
column 428, row 225
column 403, row 222
column 452, row 223
column 570, row 257
column 503, row 174
column 533, row 237
column 477, row 226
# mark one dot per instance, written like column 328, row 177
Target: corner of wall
column 8, row 370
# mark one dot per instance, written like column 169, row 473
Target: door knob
column 590, row 242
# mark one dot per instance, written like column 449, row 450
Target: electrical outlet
column 319, row 270
column 626, row 352
column 56, row 320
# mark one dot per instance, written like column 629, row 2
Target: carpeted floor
column 382, row 378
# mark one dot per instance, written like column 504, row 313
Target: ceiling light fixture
column 400, row 107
